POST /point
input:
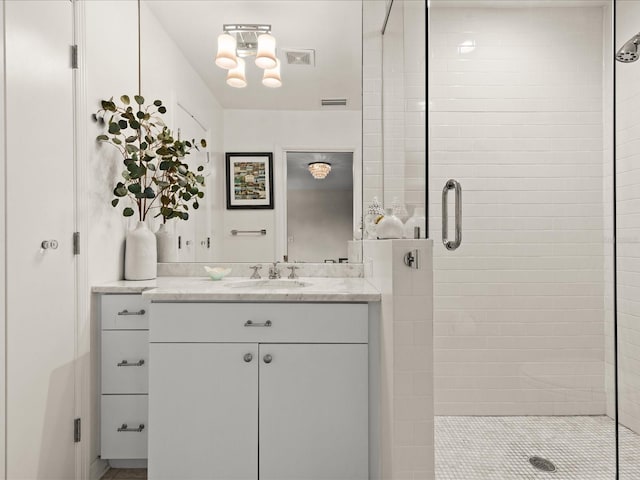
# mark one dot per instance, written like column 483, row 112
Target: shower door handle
column 451, row 185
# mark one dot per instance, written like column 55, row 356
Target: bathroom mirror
column 319, row 48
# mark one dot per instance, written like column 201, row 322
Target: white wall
column 108, row 71
column 277, row 131
column 628, row 209
column 518, row 121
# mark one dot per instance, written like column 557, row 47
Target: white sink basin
column 269, row 283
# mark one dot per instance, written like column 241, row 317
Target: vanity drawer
column 124, row 312
column 125, row 360
column 289, row 322
column 118, row 411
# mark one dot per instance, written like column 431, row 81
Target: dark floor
column 126, row 474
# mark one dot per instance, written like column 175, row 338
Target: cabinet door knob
column 248, row 357
column 267, row 358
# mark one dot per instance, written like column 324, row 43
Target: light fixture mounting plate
column 246, row 36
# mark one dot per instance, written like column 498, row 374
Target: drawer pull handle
column 248, row 357
column 268, row 358
column 249, row 323
column 125, row 428
column 125, row 363
column 127, row 312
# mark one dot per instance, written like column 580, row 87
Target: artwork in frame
column 249, row 180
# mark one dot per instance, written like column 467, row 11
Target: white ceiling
column 332, row 27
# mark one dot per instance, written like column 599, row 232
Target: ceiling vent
column 334, row 102
column 299, row 56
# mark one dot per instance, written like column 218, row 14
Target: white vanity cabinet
column 269, row 391
column 124, row 373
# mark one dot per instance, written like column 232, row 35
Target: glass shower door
column 518, row 115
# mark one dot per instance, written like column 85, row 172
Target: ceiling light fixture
column 319, row 170
column 245, row 40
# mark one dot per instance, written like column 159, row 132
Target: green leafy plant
column 156, row 176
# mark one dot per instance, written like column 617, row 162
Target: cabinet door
column 203, row 411
column 313, row 412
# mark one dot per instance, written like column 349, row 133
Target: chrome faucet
column 255, row 275
column 273, row 271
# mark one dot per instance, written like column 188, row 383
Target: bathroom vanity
column 245, row 380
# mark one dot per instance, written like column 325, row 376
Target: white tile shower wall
column 393, row 95
column 373, row 12
column 414, row 102
column 404, row 92
column 516, row 117
column 406, row 342
column 628, row 216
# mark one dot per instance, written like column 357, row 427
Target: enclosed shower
column 536, row 339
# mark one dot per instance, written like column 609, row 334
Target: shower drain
column 542, row 464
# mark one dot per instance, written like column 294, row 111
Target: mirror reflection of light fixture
column 271, row 76
column 244, row 40
column 266, row 53
column 236, row 77
column 226, row 57
column 319, row 170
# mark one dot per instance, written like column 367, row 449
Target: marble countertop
column 178, row 289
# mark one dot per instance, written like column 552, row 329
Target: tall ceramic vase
column 167, row 247
column 140, row 255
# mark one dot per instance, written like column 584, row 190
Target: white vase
column 390, row 226
column 417, row 220
column 140, row 254
column 167, row 247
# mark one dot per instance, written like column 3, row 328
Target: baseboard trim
column 129, row 463
column 98, row 468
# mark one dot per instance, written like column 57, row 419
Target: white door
column 314, row 412
column 203, row 411
column 40, row 206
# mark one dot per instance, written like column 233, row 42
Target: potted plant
column 155, row 181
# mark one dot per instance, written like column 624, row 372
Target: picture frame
column 249, row 180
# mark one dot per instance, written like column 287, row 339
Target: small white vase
column 417, row 220
column 167, row 247
column 390, row 226
column 140, row 254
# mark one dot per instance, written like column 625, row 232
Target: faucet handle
column 255, row 274
column 293, row 269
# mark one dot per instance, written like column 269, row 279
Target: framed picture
column 249, row 180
